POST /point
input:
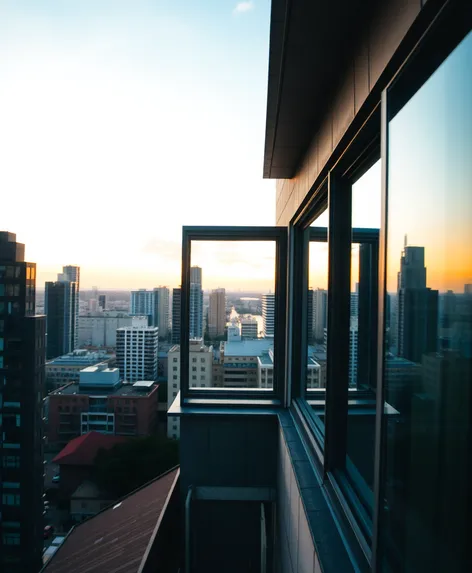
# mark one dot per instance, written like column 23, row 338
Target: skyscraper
column 137, row 353
column 71, row 273
column 176, row 295
column 155, row 305
column 417, row 308
column 196, row 311
column 217, row 312
column 22, row 353
column 310, row 338
column 161, row 311
column 142, row 304
column 268, row 314
column 196, row 275
column 102, row 301
column 60, row 306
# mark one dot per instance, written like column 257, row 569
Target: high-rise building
column 161, row 311
column 196, row 311
column 61, row 327
column 417, row 308
column 102, row 301
column 217, row 312
column 142, row 304
column 155, row 305
column 71, row 273
column 137, row 353
column 353, row 351
column 268, row 314
column 22, row 358
column 176, row 295
column 196, row 275
column 320, row 313
column 310, row 336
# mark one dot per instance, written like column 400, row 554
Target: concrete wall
column 232, row 451
column 363, row 76
column 296, row 551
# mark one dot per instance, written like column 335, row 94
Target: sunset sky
column 123, row 120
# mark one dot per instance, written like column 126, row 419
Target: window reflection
column 428, row 362
column 317, row 304
column 366, row 196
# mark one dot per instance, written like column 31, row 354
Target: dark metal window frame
column 370, row 143
column 278, row 235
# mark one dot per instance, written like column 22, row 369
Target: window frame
column 263, row 397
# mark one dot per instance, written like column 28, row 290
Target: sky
column 121, row 121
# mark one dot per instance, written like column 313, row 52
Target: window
column 11, row 499
column 174, row 359
column 10, row 538
column 254, row 260
column 174, row 368
column 174, row 385
column 175, row 377
column 428, row 334
column 11, row 461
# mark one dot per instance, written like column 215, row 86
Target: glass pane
column 366, row 197
column 317, row 317
column 232, row 315
column 428, row 362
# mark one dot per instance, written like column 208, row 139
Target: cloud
column 242, row 7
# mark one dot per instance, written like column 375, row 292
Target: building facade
column 176, row 316
column 200, row 376
column 249, row 328
column 60, row 305
column 99, row 329
column 64, row 369
column 137, row 353
column 22, row 357
column 268, row 315
column 100, row 402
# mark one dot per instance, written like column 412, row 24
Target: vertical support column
column 339, row 289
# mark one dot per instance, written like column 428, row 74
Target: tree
column 127, row 466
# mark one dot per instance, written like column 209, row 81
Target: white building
column 353, row 330
column 268, row 314
column 234, row 334
column 200, row 376
column 99, row 329
column 249, row 328
column 137, row 353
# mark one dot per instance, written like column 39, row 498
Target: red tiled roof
column 115, row 540
column 81, row 451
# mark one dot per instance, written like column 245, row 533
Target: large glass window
column 426, row 511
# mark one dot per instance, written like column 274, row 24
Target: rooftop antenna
column 406, row 241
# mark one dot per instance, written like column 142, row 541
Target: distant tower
column 22, row 354
column 176, row 296
column 417, row 307
column 62, row 321
column 268, row 314
column 102, row 301
column 217, row 312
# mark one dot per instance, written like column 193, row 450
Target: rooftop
column 248, row 347
column 82, row 451
column 125, row 389
column 80, row 357
column 120, row 537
